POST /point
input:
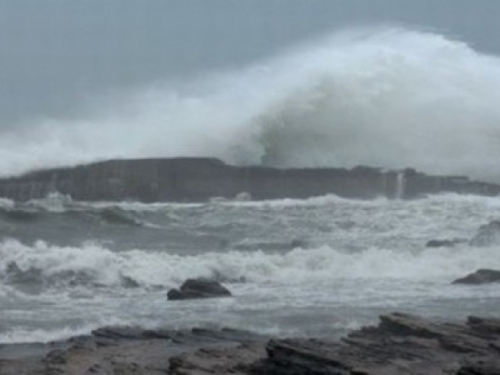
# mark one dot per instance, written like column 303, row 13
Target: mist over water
column 383, row 97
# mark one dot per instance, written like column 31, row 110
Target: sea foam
column 92, row 265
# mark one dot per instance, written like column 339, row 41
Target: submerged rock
column 198, row 288
column 482, row 276
column 487, row 235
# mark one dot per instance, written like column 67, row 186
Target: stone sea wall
column 200, row 179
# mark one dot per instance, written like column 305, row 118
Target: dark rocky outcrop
column 118, row 350
column 445, row 243
column 202, row 179
column 482, row 276
column 400, row 344
column 198, row 288
column 487, row 235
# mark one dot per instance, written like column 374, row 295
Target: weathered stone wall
column 199, row 179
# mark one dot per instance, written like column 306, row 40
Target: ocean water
column 315, row 267
column 384, row 97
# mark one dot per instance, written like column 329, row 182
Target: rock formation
column 482, row 276
column 201, row 179
column 117, row 350
column 198, row 288
column 445, row 243
column 401, row 344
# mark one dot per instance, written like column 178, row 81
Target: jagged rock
column 198, row 288
column 123, row 350
column 445, row 243
column 484, row 325
column 487, row 235
column 401, row 344
column 482, row 276
column 216, row 361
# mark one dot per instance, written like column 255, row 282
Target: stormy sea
column 316, row 267
column 322, row 266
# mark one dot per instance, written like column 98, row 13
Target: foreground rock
column 482, row 276
column 400, row 344
column 202, row 179
column 117, row 350
column 198, row 288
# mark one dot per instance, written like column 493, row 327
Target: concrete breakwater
column 200, row 179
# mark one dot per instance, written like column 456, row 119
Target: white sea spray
column 382, row 96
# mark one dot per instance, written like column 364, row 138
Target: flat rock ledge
column 400, row 344
column 120, row 350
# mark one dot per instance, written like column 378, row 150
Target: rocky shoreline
column 399, row 344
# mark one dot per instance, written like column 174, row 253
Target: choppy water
column 321, row 266
column 385, row 97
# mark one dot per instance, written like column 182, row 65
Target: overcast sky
column 53, row 53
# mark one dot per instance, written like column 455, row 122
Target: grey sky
column 53, row 53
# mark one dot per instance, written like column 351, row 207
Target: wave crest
column 387, row 97
column 42, row 266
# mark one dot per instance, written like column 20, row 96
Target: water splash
column 386, row 97
column 400, row 185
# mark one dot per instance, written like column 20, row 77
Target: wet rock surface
column 116, row 350
column 198, row 288
column 399, row 344
column 482, row 276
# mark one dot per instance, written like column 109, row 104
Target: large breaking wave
column 384, row 97
column 42, row 266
